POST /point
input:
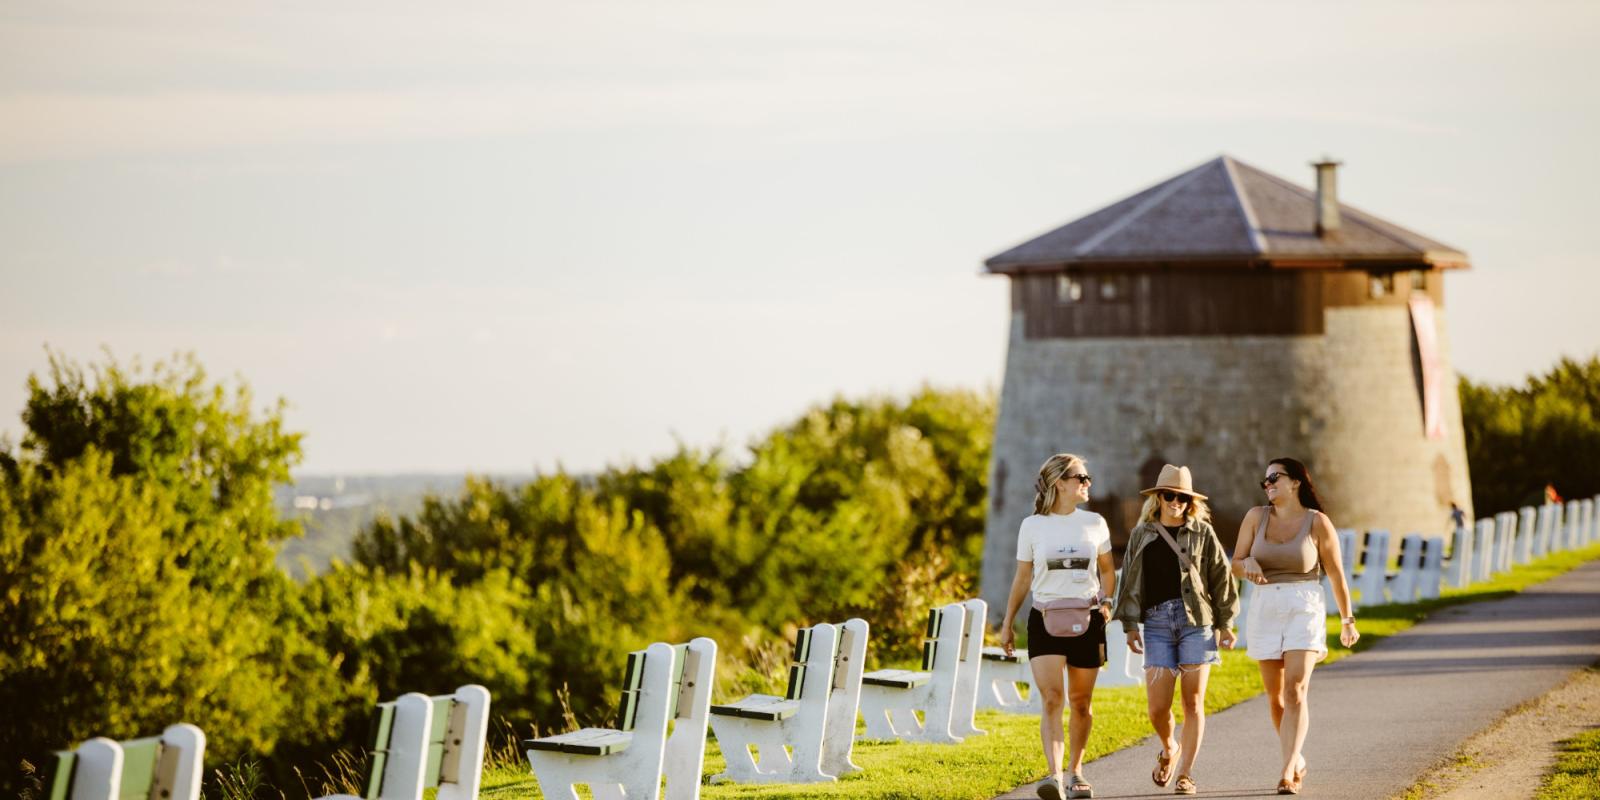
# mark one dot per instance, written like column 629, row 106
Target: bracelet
column 1350, row 620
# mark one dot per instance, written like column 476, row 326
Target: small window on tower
column 1419, row 281
column 1114, row 288
column 1382, row 285
column 1069, row 289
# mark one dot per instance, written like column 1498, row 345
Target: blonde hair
column 1151, row 512
column 1044, row 489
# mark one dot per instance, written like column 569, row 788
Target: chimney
column 1327, row 195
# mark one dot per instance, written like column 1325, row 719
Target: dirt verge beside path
column 1511, row 757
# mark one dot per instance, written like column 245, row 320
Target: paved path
column 1382, row 717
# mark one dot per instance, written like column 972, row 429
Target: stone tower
column 1219, row 319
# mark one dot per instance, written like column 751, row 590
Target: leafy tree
column 136, row 577
column 1519, row 439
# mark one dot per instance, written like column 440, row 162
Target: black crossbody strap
column 1188, row 566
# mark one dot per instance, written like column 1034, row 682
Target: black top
column 1163, row 578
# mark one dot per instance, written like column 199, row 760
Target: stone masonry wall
column 1346, row 402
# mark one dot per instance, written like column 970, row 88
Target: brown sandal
column 1164, row 766
column 1185, row 785
column 1288, row 787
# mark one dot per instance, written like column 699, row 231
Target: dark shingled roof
column 1225, row 211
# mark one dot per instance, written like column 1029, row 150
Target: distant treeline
column 138, row 534
column 1521, row 439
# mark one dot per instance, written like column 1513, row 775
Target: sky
column 502, row 237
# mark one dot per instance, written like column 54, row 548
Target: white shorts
column 1286, row 616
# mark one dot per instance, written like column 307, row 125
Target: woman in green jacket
column 1177, row 584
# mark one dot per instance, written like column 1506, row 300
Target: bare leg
column 1297, row 665
column 1158, row 686
column 1080, row 690
column 1272, row 682
column 1048, row 681
column 1194, row 713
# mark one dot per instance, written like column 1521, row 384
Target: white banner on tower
column 1422, row 321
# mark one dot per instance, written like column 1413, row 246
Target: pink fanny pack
column 1067, row 617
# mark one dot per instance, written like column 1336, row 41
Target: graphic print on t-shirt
column 1069, row 556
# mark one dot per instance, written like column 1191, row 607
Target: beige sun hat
column 1175, row 479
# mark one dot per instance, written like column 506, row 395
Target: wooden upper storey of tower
column 1225, row 214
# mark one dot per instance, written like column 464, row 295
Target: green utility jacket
column 1212, row 604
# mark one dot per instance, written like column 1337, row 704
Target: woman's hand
column 1252, row 571
column 1226, row 638
column 1348, row 635
column 1135, row 640
column 1105, row 612
column 1008, row 639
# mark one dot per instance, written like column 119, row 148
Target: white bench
column 1586, row 526
column 1483, row 551
column 790, row 733
column 417, row 742
column 1405, row 586
column 999, row 677
column 1430, row 581
column 1460, row 572
column 1527, row 531
column 166, row 767
column 951, row 655
column 1505, row 543
column 1550, row 532
column 662, row 684
column 1369, row 583
column 1123, row 666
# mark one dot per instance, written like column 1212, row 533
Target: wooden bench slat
column 139, row 758
column 759, row 706
column 999, row 654
column 379, row 730
column 899, row 678
column 438, row 730
column 933, row 624
column 587, row 742
column 930, row 649
column 797, row 679
column 61, row 775
column 680, row 657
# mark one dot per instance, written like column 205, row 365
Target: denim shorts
column 1170, row 641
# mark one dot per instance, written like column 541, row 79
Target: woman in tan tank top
column 1283, row 548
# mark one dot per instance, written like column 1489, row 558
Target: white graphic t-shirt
column 1065, row 551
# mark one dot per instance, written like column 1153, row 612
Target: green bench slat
column 797, row 678
column 764, row 707
column 632, row 680
column 139, row 758
column 586, row 742
column 802, row 644
column 897, row 678
column 438, row 744
column 61, row 775
column 379, row 730
column 680, row 657
column 1000, row 655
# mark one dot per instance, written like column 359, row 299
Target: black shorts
column 1086, row 651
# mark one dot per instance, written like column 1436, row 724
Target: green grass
column 1009, row 755
column 1577, row 771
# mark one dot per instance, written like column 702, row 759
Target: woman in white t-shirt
column 1063, row 553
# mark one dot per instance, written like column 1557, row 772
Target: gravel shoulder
column 1511, row 757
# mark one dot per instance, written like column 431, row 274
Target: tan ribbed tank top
column 1291, row 561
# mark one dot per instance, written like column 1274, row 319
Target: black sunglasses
column 1169, row 497
column 1272, row 477
column 1084, row 477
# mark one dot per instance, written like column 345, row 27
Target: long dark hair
column 1297, row 471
